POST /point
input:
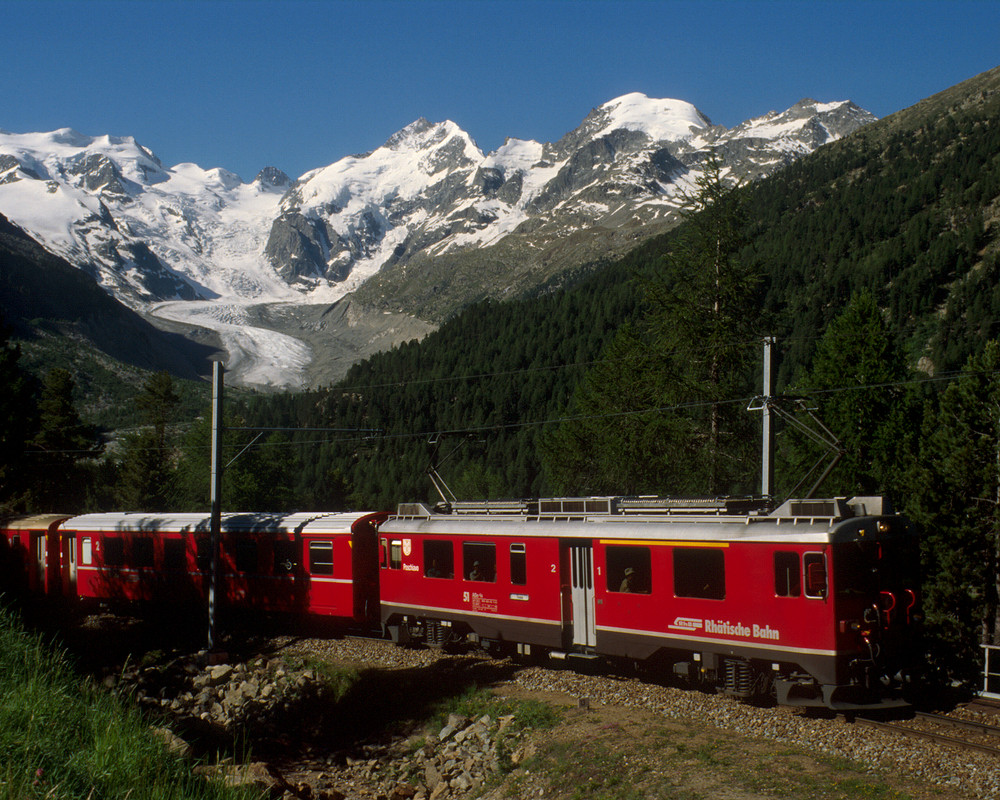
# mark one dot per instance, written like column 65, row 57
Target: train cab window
column 787, row 575
column 173, row 554
column 286, row 556
column 142, row 553
column 700, row 572
column 856, row 565
column 439, row 559
column 114, row 551
column 518, row 565
column 86, row 551
column 396, row 554
column 479, row 561
column 628, row 569
column 246, row 555
column 321, row 557
column 815, row 569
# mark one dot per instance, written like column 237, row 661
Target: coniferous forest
column 874, row 262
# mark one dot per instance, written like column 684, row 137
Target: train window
column 700, row 572
column 246, row 555
column 396, row 554
column 628, row 569
column 479, row 560
column 114, row 551
column 142, row 553
column 787, row 576
column 856, row 568
column 518, row 565
column 439, row 559
column 173, row 554
column 815, row 569
column 86, row 551
column 321, row 557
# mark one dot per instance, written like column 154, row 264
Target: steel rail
column 955, row 722
column 939, row 738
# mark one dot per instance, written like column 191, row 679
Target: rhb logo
column 685, row 624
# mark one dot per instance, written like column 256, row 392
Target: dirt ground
column 624, row 753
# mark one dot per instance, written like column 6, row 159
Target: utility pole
column 215, row 494
column 767, row 447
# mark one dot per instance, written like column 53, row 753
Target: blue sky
column 246, row 84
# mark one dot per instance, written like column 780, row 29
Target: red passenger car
column 814, row 603
column 311, row 563
column 32, row 554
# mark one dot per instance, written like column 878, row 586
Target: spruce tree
column 62, row 442
column 956, row 499
column 665, row 410
column 17, row 421
column 856, row 383
column 148, row 460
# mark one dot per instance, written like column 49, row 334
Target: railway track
column 962, row 733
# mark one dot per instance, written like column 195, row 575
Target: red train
column 814, row 603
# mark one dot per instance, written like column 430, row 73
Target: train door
column 69, row 560
column 581, row 569
column 41, row 562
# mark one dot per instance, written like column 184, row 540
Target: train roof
column 30, row 522
column 658, row 519
column 247, row 522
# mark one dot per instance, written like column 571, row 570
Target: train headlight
column 883, row 526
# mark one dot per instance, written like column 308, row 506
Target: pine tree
column 61, row 443
column 855, row 382
column 17, row 421
column 148, row 460
column 956, row 499
column 665, row 410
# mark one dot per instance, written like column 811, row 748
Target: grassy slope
column 61, row 737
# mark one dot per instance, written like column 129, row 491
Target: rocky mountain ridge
column 149, row 233
column 420, row 226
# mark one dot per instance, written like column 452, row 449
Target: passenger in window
column 476, row 574
column 628, row 582
column 433, row 571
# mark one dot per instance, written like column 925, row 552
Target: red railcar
column 33, row 554
column 814, row 603
column 306, row 563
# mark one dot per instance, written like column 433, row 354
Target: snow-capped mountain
column 145, row 232
column 418, row 226
column 150, row 233
column 429, row 191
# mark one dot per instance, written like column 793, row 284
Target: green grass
column 61, row 737
column 614, row 764
column 476, row 701
column 336, row 680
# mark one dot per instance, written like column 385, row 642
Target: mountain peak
column 273, row 177
column 422, row 134
column 661, row 119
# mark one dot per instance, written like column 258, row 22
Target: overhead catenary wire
column 379, row 434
